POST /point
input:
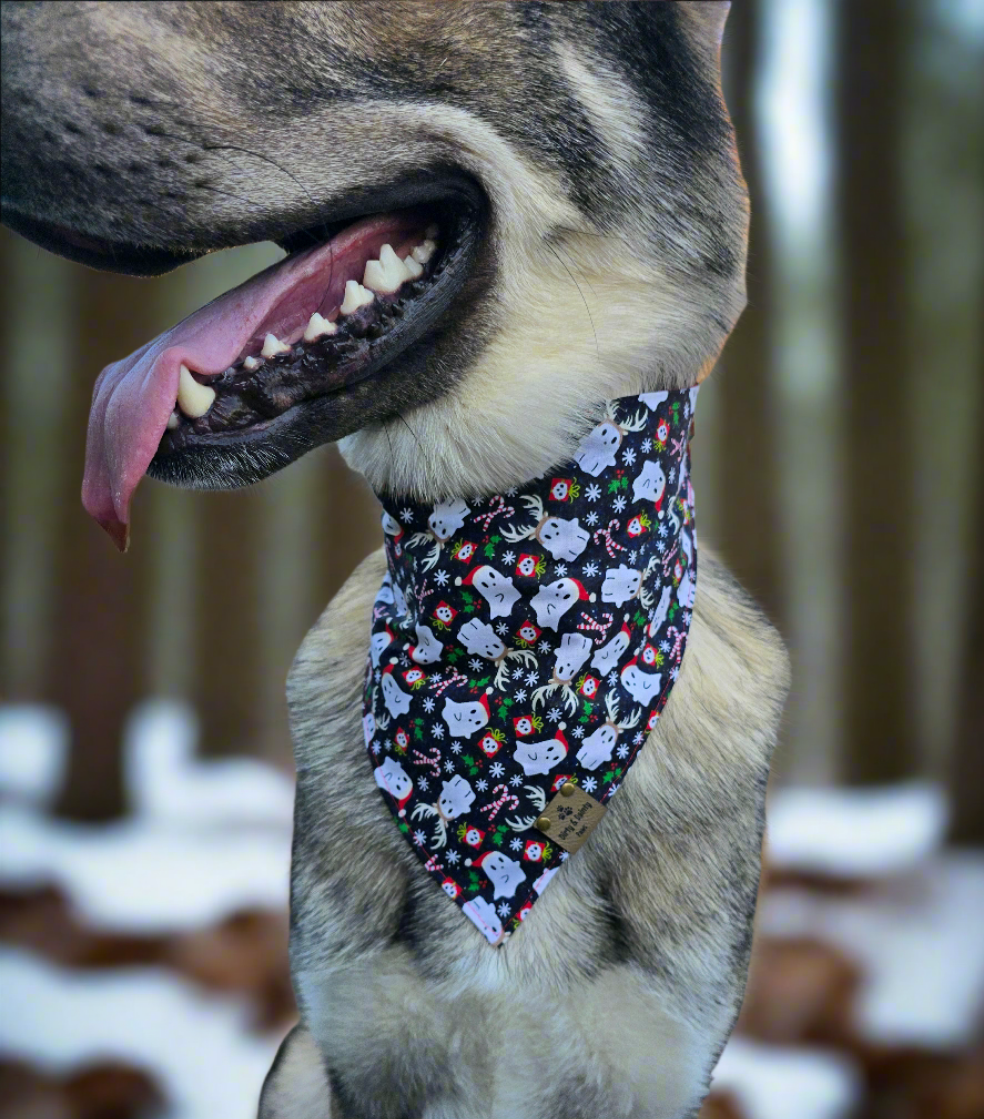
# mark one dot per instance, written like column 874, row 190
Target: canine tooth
column 431, row 232
column 317, row 326
column 356, row 296
column 193, row 399
column 251, row 363
column 173, row 420
column 386, row 274
column 416, row 270
column 424, row 251
column 273, row 346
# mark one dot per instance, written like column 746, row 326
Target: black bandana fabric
column 527, row 640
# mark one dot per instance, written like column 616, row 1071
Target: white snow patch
column 33, row 752
column 855, row 833
column 773, row 1082
column 196, row 1046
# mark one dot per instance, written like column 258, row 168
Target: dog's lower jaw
column 403, row 999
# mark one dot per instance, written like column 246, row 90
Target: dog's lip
column 133, row 398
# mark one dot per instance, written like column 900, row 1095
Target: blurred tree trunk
column 967, row 771
column 879, row 741
column 746, row 453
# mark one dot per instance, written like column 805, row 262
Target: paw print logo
column 564, row 811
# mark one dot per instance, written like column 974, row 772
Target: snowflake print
column 503, row 909
column 622, row 751
column 664, row 646
column 554, row 714
column 428, row 705
column 423, row 783
column 452, row 856
column 593, row 492
column 378, row 675
column 639, row 737
column 560, row 570
column 628, row 456
column 502, row 629
column 647, row 446
column 449, row 766
column 521, row 694
column 376, row 747
column 563, row 856
column 619, row 503
column 497, row 769
column 508, row 558
column 515, row 780
column 481, row 785
column 419, row 836
column 663, row 530
column 441, row 578
column 455, row 747
column 614, row 790
column 518, row 673
column 437, row 730
column 590, row 570
column 687, row 616
column 578, row 732
column 406, row 515
column 544, row 647
column 589, row 784
column 673, row 475
column 516, row 844
column 404, row 660
column 591, row 519
column 633, row 555
column 613, row 677
column 531, row 678
column 511, row 492
column 674, row 672
column 660, row 547
column 475, row 664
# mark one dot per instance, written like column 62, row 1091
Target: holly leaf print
column 490, row 547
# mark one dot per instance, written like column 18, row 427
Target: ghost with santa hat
column 642, row 686
column 396, row 700
column 552, row 601
column 379, row 642
column 428, row 649
column 497, row 589
column 541, row 757
column 505, row 874
column 650, row 484
column 464, row 719
column 608, row 656
column 621, row 584
column 394, row 779
column 481, row 640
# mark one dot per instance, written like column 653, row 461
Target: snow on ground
column 208, row 838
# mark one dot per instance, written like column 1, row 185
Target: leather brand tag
column 570, row 817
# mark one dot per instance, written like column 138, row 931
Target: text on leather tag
column 570, row 817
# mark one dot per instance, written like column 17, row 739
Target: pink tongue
column 133, row 398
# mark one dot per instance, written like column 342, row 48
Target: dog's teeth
column 173, row 420
column 424, row 251
column 386, row 274
column 193, row 399
column 252, row 363
column 356, row 296
column 416, row 270
column 273, row 346
column 431, row 232
column 318, row 326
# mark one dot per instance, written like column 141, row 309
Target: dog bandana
column 522, row 649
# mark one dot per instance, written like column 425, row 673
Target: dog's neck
column 515, row 640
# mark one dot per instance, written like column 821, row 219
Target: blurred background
column 145, row 761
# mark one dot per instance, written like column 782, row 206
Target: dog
column 575, row 167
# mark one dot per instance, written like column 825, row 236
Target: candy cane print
column 493, row 806
column 677, row 651
column 489, row 517
column 434, row 761
column 441, row 686
column 611, row 546
column 601, row 628
column 433, row 865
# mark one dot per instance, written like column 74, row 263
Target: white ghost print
column 396, row 700
column 653, row 400
column 662, row 609
column 597, row 747
column 573, row 652
column 544, row 880
column 481, row 640
column 391, row 526
column 456, row 797
column 428, row 649
column 621, row 584
column 447, row 518
column 608, row 656
column 504, row 873
column 497, row 590
column 642, row 686
column 540, row 757
column 378, row 644
column 564, row 540
column 598, row 449
column 399, row 600
column 650, row 484
column 385, row 593
column 464, row 719
column 552, row 601
column 393, row 778
column 686, row 591
column 483, row 916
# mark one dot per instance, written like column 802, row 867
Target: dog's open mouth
column 286, row 360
